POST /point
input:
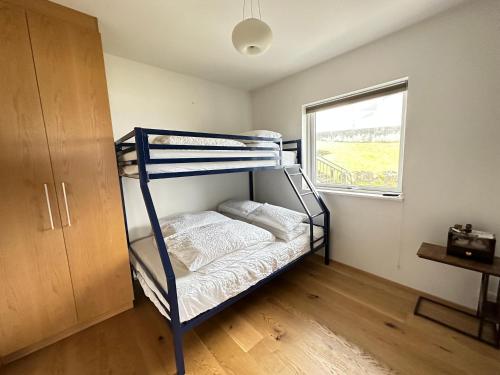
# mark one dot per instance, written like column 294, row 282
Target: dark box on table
column 471, row 244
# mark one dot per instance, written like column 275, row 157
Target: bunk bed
column 151, row 154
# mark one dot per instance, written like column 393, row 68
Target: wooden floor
column 272, row 331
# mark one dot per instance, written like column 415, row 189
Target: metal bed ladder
column 324, row 210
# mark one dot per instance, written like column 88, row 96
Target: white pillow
column 238, row 209
column 197, row 247
column 285, row 235
column 277, row 217
column 261, row 133
column 263, row 144
column 184, row 222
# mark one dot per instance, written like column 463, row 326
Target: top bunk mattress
column 289, row 158
column 220, row 280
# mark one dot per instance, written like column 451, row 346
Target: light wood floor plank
column 290, row 338
column 227, row 352
column 240, row 330
column 272, row 360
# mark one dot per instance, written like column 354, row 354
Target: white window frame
column 309, row 146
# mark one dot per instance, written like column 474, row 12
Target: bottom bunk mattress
column 218, row 281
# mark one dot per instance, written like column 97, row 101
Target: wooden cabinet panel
column 54, row 10
column 70, row 70
column 36, row 297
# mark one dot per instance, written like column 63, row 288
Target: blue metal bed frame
column 142, row 147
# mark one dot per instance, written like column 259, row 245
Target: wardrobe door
column 70, row 70
column 36, row 297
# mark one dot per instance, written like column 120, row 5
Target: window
column 355, row 142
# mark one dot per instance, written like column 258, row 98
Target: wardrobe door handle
column 66, row 203
column 48, row 206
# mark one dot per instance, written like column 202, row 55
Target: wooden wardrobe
column 63, row 254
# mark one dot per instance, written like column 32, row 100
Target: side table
column 487, row 313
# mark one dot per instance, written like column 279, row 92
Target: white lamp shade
column 252, row 36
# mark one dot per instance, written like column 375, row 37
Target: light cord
column 251, row 9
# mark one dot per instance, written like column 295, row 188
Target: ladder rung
column 317, row 239
column 320, row 213
column 295, row 174
column 309, row 192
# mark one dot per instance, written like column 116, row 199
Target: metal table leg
column 483, row 295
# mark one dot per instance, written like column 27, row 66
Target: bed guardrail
column 142, row 146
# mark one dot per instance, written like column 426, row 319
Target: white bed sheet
column 289, row 158
column 220, row 280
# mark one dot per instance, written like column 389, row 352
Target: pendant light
column 252, row 36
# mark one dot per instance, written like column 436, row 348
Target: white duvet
column 219, row 280
column 198, row 141
column 183, row 222
column 198, row 246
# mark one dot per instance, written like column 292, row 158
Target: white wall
column 142, row 95
column 452, row 154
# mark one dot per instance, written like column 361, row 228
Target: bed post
column 175, row 324
column 251, row 185
column 170, row 276
column 120, row 178
column 326, row 224
column 299, row 152
column 326, row 228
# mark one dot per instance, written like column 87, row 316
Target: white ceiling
column 194, row 36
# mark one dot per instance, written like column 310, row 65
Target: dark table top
column 437, row 253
